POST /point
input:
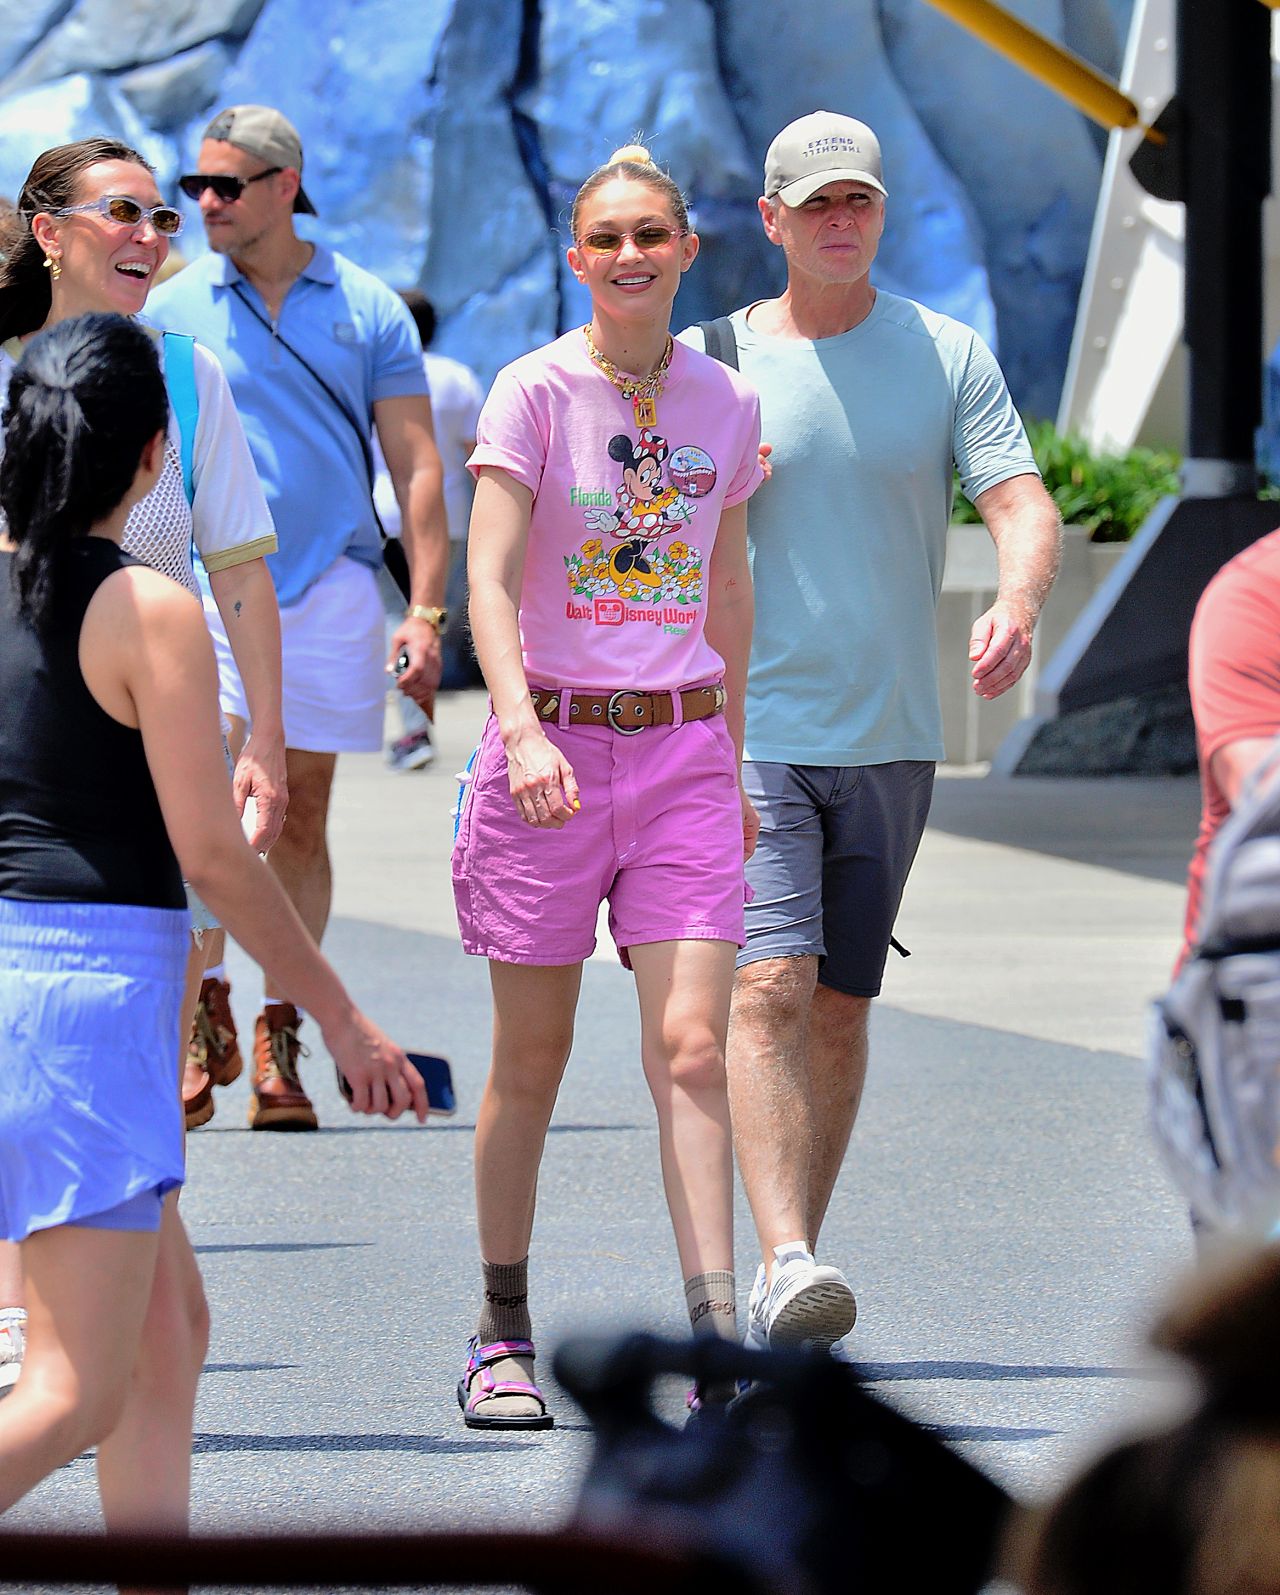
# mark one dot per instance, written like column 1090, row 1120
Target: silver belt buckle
column 614, row 709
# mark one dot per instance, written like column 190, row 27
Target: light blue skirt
column 90, row 1115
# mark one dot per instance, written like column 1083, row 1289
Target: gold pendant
column 646, row 410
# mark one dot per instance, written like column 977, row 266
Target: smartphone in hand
column 437, row 1076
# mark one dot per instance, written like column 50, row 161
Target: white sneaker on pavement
column 13, row 1345
column 807, row 1302
column 412, row 752
column 756, row 1337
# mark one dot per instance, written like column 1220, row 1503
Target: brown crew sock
column 505, row 1314
column 712, row 1300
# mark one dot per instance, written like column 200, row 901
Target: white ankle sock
column 301, row 1012
column 218, row 972
column 789, row 1252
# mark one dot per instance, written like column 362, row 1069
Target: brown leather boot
column 197, row 1094
column 214, row 1044
column 278, row 1101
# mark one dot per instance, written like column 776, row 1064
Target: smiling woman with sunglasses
column 611, row 609
column 90, row 232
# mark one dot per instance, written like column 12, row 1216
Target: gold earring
column 53, row 266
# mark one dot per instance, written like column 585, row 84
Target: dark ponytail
column 53, row 182
column 84, row 401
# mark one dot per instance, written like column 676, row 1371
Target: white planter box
column 973, row 728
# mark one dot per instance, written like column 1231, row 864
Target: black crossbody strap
column 393, row 553
column 360, row 432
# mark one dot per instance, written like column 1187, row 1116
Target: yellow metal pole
column 1060, row 69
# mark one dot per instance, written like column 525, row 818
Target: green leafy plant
column 1109, row 494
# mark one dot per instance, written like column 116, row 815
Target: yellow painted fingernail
column 577, row 804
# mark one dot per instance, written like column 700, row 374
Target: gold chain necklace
column 643, row 393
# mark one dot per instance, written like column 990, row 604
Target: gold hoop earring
column 53, row 266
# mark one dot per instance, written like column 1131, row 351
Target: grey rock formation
column 74, row 107
column 931, row 250
column 167, row 94
column 492, row 255
column 104, row 35
column 23, row 23
column 357, row 90
column 445, row 140
column 1029, row 168
column 609, row 75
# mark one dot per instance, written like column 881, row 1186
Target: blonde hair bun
column 635, row 153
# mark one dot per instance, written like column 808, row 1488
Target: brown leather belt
column 628, row 712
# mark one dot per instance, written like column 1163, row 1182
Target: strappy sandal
column 708, row 1404
column 480, row 1360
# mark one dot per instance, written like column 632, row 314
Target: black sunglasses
column 227, row 188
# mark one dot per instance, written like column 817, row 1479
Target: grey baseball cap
column 265, row 133
column 821, row 148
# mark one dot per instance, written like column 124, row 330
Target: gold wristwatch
column 434, row 615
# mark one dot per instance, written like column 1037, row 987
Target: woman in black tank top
column 111, row 659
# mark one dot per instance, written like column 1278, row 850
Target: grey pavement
column 1001, row 1215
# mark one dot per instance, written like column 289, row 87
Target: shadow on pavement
column 279, row 1246
column 875, row 1373
column 424, row 1444
column 1136, row 826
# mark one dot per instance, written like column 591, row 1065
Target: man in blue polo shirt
column 318, row 352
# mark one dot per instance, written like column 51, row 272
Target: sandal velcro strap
column 483, row 1385
column 478, row 1383
column 495, row 1350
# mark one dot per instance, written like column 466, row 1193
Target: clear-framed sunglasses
column 126, row 212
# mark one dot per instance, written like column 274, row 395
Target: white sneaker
column 807, row 1302
column 757, row 1336
column 13, row 1345
column 413, row 752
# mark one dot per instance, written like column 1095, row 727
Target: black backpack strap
column 721, row 341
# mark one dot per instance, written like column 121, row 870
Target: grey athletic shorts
column 836, row 845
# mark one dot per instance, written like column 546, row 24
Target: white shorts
column 335, row 684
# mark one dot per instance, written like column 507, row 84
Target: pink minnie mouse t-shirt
column 624, row 517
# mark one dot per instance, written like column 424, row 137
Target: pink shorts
column 659, row 834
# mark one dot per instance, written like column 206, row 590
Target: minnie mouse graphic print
column 624, row 517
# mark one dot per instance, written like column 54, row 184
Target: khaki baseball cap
column 265, row 133
column 821, row 148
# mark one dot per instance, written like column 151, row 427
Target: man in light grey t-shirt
column 868, row 400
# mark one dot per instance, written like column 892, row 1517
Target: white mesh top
column 158, row 531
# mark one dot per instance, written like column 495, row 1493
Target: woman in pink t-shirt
column 611, row 607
